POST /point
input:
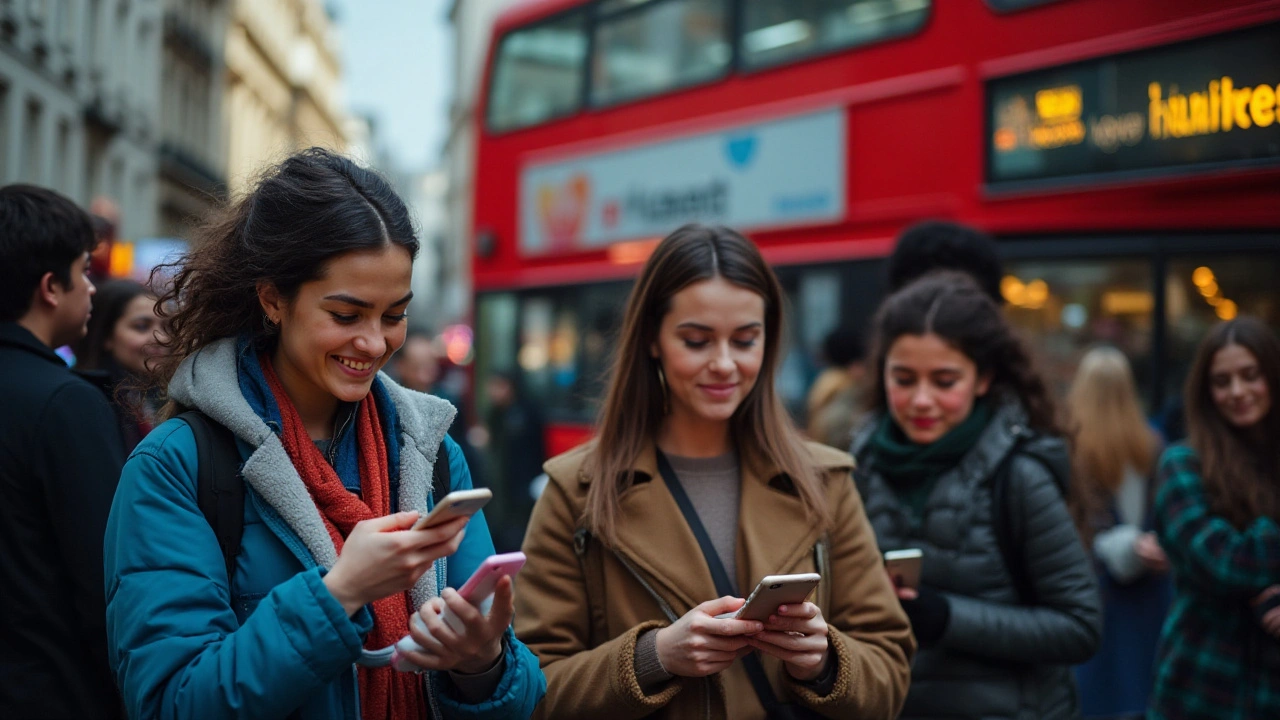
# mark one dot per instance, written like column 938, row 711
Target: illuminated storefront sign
column 781, row 172
column 1203, row 103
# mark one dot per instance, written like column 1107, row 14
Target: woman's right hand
column 1148, row 550
column 384, row 556
column 698, row 644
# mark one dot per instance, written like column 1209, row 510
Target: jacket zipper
column 340, row 426
column 580, row 548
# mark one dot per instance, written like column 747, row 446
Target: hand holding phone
column 459, row 503
column 772, row 591
column 477, row 590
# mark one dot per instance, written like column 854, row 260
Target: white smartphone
column 459, row 503
column 478, row 590
column 772, row 591
column 904, row 567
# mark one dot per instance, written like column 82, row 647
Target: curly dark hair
column 950, row 304
column 941, row 245
column 301, row 214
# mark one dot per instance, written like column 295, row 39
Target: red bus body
column 916, row 134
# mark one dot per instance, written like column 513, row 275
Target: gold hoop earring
column 662, row 382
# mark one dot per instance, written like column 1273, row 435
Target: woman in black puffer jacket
column 961, row 459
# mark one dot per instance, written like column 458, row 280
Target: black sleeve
column 1065, row 626
column 82, row 457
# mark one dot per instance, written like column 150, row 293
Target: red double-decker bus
column 1124, row 153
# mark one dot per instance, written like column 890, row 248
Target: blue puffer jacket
column 276, row 643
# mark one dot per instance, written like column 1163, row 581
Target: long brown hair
column 950, row 304
column 302, row 213
column 1241, row 471
column 632, row 414
column 1108, row 434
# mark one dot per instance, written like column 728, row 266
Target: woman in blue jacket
column 286, row 309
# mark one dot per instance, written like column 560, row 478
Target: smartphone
column 772, row 591
column 477, row 590
column 904, row 567
column 459, row 503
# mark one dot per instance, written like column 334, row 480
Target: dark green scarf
column 912, row 470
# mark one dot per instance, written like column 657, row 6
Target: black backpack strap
column 441, row 482
column 724, row 586
column 219, row 487
column 1007, row 524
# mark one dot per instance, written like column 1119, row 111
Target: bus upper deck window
column 537, row 74
column 644, row 48
column 776, row 31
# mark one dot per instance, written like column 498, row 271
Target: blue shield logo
column 741, row 150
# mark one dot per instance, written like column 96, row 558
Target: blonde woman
column 1113, row 457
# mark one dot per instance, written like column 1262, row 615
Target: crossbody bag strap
column 724, row 585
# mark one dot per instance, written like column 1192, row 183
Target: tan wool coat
column 581, row 610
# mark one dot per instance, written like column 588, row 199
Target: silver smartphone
column 772, row 591
column 904, row 567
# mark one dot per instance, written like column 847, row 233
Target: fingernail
column 782, row 608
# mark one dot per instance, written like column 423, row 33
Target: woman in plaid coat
column 1216, row 517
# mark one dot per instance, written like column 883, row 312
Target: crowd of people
column 1073, row 562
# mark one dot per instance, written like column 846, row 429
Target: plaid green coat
column 1215, row 662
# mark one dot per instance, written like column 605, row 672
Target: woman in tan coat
column 618, row 599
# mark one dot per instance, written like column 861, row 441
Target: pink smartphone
column 480, row 586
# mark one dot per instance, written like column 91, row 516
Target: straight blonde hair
column 633, row 410
column 1108, row 432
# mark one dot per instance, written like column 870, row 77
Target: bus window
column 1202, row 291
column 1011, row 5
column 645, row 48
column 537, row 75
column 1064, row 307
column 776, row 31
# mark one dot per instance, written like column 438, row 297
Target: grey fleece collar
column 208, row 380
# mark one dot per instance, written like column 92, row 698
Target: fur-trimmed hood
column 208, row 380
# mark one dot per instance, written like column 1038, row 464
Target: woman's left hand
column 796, row 635
column 472, row 651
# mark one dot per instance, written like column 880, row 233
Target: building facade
column 80, row 101
column 283, row 85
column 192, row 149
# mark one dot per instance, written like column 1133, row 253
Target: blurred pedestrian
column 962, row 460
column 835, row 394
column 1113, row 458
column 620, row 600
column 943, row 245
column 517, row 449
column 419, row 366
column 1216, row 517
column 293, row 299
column 124, row 339
column 60, row 457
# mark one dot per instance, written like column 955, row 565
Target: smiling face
column 711, row 345
column 137, row 335
column 931, row 386
column 1238, row 387
column 339, row 330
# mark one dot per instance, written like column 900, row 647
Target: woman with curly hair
column 962, row 460
column 292, row 300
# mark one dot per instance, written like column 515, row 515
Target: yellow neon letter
column 1262, row 109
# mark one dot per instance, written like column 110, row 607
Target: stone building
column 79, row 101
column 284, row 88
column 192, row 150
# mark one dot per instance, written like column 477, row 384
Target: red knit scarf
column 385, row 694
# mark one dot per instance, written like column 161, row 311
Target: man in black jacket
column 60, row 459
